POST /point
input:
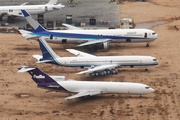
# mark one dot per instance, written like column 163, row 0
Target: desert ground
column 20, row 99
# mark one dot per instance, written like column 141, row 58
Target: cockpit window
column 154, row 59
column 147, row 87
column 153, row 33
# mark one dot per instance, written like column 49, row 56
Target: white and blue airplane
column 97, row 65
column 87, row 37
column 84, row 88
column 32, row 9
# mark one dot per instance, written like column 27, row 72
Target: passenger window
column 153, row 33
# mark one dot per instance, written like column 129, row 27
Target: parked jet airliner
column 84, row 88
column 97, row 65
column 32, row 9
column 88, row 37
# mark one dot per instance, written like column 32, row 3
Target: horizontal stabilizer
column 24, row 4
column 70, row 27
column 25, row 69
column 44, row 61
column 38, row 57
column 24, row 31
column 27, row 34
column 85, row 93
column 94, row 42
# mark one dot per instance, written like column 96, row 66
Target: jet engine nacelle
column 105, row 45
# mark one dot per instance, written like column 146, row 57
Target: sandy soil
column 163, row 104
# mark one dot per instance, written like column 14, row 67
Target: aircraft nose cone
column 152, row 90
column 62, row 6
column 157, row 62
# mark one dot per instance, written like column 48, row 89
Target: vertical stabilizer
column 37, row 75
column 34, row 24
column 47, row 52
column 42, row 79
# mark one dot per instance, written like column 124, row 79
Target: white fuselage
column 122, row 61
column 32, row 9
column 105, row 87
column 81, row 36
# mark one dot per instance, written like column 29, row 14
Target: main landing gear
column 140, row 96
column 147, row 45
column 103, row 73
column 146, row 69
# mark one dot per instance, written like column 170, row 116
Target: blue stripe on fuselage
column 81, row 36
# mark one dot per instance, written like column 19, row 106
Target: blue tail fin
column 34, row 24
column 42, row 79
column 47, row 52
column 37, row 75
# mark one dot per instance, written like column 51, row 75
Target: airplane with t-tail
column 83, row 37
column 84, row 88
column 97, row 65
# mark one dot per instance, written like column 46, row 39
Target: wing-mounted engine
column 105, row 45
column 58, row 78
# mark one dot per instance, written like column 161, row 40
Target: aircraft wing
column 70, row 27
column 80, row 54
column 85, row 93
column 98, row 68
column 94, row 42
column 24, row 4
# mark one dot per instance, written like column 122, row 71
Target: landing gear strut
column 140, row 96
column 146, row 69
column 147, row 45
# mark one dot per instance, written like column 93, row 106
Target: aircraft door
column 64, row 40
column 145, row 35
column 46, row 8
column 128, row 39
column 130, row 90
column 51, row 37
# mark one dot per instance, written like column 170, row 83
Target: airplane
column 97, row 65
column 32, row 9
column 84, row 88
column 85, row 38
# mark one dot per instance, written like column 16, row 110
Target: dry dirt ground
column 20, row 99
